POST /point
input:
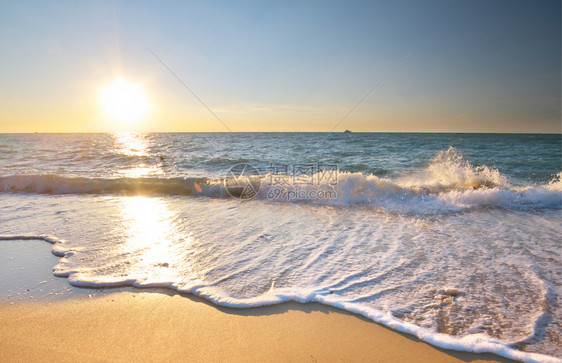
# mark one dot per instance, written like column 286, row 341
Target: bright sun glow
column 124, row 102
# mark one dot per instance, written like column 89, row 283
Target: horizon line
column 282, row 132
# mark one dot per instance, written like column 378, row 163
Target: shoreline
column 154, row 326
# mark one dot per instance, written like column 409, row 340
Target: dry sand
column 147, row 326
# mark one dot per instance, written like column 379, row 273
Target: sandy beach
column 148, row 326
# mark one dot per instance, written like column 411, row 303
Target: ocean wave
column 450, row 171
column 351, row 189
column 448, row 183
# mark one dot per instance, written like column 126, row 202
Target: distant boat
column 347, row 132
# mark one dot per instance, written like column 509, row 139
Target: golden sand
column 147, row 326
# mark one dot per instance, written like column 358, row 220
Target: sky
column 459, row 66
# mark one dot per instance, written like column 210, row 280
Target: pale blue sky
column 286, row 66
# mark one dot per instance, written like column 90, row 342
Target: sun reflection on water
column 131, row 144
column 157, row 251
column 136, row 146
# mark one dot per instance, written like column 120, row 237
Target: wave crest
column 448, row 183
column 450, row 171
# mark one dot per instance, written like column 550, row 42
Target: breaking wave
column 448, row 183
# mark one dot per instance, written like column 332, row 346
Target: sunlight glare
column 135, row 145
column 124, row 102
column 152, row 237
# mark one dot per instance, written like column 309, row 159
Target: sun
column 124, row 102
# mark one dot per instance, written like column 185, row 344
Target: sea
column 453, row 238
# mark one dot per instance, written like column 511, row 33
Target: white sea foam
column 477, row 343
column 449, row 183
